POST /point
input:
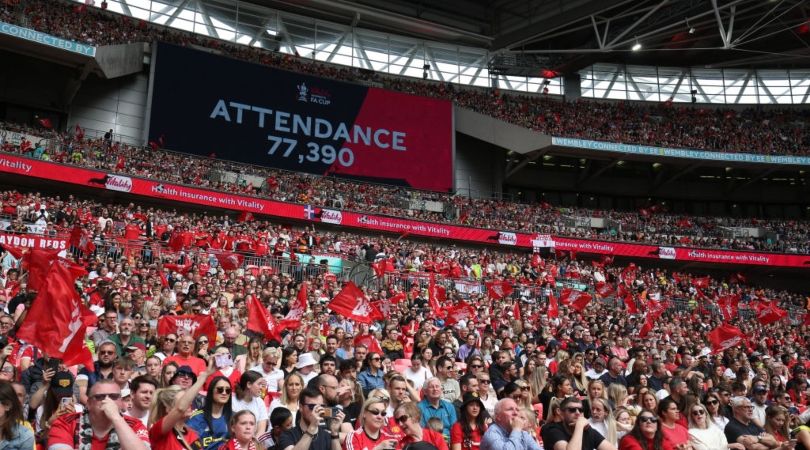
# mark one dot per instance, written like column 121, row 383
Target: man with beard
column 124, row 338
column 143, row 389
column 103, row 369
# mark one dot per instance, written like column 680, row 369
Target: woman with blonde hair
column 624, row 421
column 537, row 382
column 170, row 409
column 290, row 391
column 602, row 420
column 703, row 434
column 617, row 395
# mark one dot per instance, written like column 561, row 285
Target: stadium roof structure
column 572, row 34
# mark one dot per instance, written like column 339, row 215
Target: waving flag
column 553, row 307
column 353, row 304
column 194, row 325
column 729, row 306
column 56, row 317
column 437, row 295
column 725, row 336
column 230, row 261
column 605, row 289
column 260, row 320
column 297, row 309
column 498, row 289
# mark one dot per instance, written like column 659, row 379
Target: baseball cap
column 62, row 384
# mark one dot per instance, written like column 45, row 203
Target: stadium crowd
column 442, row 368
column 648, row 225
column 754, row 130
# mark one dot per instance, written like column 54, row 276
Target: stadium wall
column 118, row 104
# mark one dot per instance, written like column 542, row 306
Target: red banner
column 33, row 241
column 172, row 192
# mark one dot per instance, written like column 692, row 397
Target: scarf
column 233, row 444
column 84, row 437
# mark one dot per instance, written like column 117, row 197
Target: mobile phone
column 330, row 412
column 66, row 401
column 223, row 361
column 53, row 364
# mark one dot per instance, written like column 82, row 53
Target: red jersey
column 170, row 441
column 63, row 431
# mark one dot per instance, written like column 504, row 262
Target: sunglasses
column 170, row 340
column 403, row 418
column 698, row 412
column 574, row 409
column 648, row 419
column 101, row 397
column 377, row 412
column 712, row 402
column 223, row 390
column 476, row 366
column 107, row 352
column 484, row 381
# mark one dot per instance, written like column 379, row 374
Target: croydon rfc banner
column 204, row 103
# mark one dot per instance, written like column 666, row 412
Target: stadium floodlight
column 637, row 46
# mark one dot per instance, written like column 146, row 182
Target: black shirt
column 556, row 432
column 734, row 429
column 322, row 441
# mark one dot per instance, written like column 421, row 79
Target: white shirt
column 419, row 377
column 273, row 377
column 256, row 406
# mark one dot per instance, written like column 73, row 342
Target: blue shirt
column 446, row 412
column 370, row 381
column 496, row 438
column 211, row 439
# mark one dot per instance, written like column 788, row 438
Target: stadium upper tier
column 772, row 131
column 651, row 225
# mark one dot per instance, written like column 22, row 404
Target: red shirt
column 169, row 441
column 197, row 364
column 63, row 431
column 631, row 443
column 428, row 436
column 457, row 437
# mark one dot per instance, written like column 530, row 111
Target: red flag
column 553, row 307
column 182, row 270
column 605, row 289
column 79, row 132
column 16, row 252
column 230, row 261
column 701, row 283
column 45, row 122
column 630, row 304
column 398, row 297
column 176, row 241
column 297, row 310
column 369, row 341
column 579, row 302
column 516, row 311
column 436, row 296
column 729, row 306
column 55, row 318
column 260, row 320
column 568, row 296
column 458, row 312
column 196, row 325
column 77, row 351
column 39, row 262
column 725, row 336
column 379, row 268
column 498, row 289
column 81, row 239
column 769, row 313
column 353, row 304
